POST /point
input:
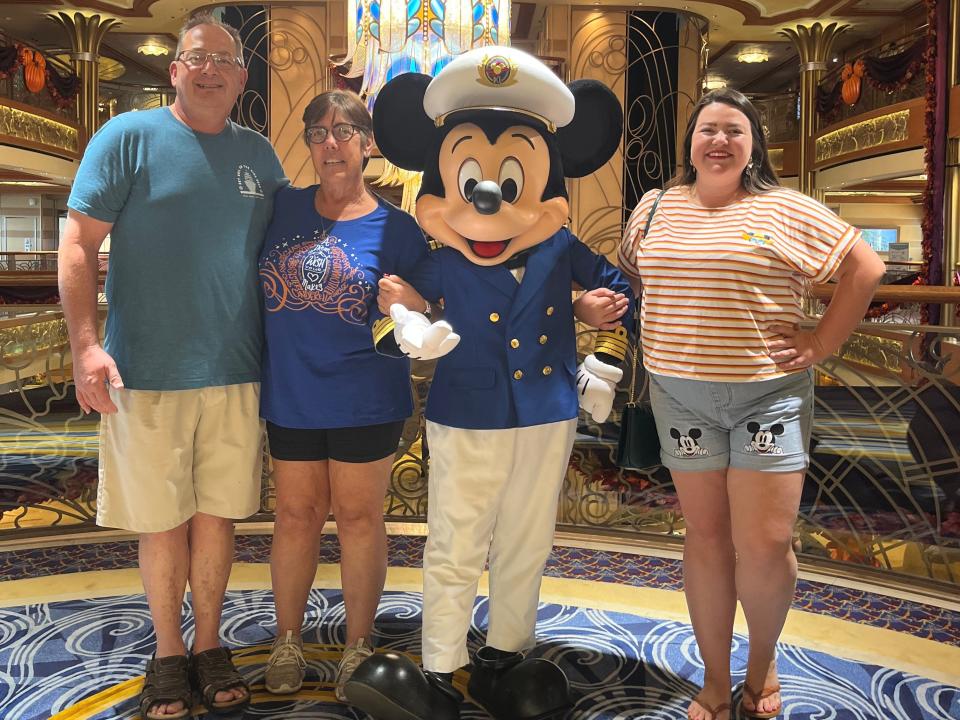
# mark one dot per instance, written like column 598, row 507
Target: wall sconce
column 153, row 49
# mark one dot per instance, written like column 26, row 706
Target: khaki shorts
column 166, row 455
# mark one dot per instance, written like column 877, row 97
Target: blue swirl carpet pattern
column 83, row 660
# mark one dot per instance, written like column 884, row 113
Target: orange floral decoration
column 34, row 69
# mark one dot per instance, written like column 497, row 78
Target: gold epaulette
column 381, row 327
column 612, row 342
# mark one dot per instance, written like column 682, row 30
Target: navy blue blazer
column 516, row 362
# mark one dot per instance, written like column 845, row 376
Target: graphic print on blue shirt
column 319, row 279
column 319, row 274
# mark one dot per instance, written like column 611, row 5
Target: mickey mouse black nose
column 486, row 197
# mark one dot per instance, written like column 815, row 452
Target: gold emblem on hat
column 497, row 71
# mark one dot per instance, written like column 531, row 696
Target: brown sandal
column 713, row 710
column 212, row 671
column 165, row 682
column 756, row 698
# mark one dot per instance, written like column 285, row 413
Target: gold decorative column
column 814, row 44
column 951, row 186
column 86, row 32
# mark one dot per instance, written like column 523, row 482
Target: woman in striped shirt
column 723, row 264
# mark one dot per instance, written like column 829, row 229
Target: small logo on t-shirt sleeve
column 248, row 183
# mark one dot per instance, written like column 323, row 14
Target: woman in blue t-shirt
column 334, row 407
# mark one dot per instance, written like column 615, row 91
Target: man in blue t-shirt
column 186, row 196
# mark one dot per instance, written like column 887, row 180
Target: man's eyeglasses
column 198, row 58
column 341, row 132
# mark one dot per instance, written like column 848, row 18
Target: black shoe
column 389, row 686
column 510, row 687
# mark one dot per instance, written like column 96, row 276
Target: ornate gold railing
column 882, row 494
column 32, row 260
column 33, row 128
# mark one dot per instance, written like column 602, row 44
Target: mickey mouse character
column 495, row 133
column 687, row 445
column 764, row 441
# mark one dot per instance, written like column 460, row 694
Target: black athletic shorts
column 365, row 443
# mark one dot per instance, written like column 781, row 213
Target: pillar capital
column 814, row 42
column 85, row 33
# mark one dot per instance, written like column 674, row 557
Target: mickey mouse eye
column 511, row 179
column 468, row 178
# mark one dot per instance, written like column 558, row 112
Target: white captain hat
column 501, row 78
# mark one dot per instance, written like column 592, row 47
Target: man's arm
column 77, row 275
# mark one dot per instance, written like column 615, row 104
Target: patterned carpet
column 81, row 660
column 882, row 611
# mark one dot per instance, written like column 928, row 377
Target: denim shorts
column 756, row 425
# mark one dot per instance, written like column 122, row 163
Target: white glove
column 418, row 338
column 596, row 385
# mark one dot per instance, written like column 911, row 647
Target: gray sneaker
column 286, row 667
column 353, row 655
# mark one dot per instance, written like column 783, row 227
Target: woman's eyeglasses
column 341, row 132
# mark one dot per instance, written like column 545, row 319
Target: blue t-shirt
column 189, row 212
column 319, row 279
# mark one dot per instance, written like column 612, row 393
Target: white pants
column 496, row 491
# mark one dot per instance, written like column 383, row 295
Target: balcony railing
column 32, row 260
column 882, row 494
column 780, row 115
column 13, row 87
column 872, row 97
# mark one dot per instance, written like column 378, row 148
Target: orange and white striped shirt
column 715, row 279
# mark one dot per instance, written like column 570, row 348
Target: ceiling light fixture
column 153, row 49
column 753, row 56
column 714, row 83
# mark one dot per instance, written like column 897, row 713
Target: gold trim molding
column 890, row 128
column 873, row 351
column 24, row 125
column 30, row 340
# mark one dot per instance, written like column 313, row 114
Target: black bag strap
column 632, row 399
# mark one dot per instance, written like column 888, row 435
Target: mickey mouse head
column 764, row 441
column 687, row 444
column 494, row 134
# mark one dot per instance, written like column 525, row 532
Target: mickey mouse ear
column 593, row 136
column 400, row 126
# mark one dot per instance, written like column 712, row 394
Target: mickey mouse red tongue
column 488, row 250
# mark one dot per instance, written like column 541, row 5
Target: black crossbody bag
column 638, row 446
